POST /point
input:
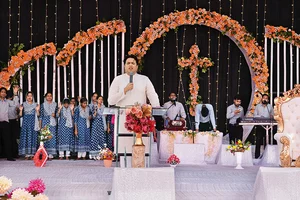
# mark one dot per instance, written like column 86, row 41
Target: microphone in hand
column 131, row 77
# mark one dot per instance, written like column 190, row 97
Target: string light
column 293, row 15
column 97, row 10
column 80, row 14
column 257, row 20
column 265, row 12
column 55, row 23
column 141, row 17
column 130, row 22
column 228, row 63
column 208, row 53
column 196, row 26
column 218, row 66
column 177, row 52
column 46, row 20
column 31, row 22
column 9, row 23
column 163, row 56
column 183, row 37
column 19, row 19
column 240, row 59
column 69, row 20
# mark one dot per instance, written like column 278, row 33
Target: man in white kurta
column 142, row 89
column 124, row 92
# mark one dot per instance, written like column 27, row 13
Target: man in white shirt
column 262, row 110
column 234, row 113
column 175, row 109
column 205, row 118
column 131, row 87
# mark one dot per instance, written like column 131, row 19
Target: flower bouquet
column 138, row 120
column 173, row 160
column 34, row 190
column 239, row 146
column 190, row 134
column 238, row 149
column 106, row 155
column 45, row 134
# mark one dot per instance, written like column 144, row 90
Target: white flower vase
column 173, row 166
column 239, row 158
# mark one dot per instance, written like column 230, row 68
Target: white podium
column 143, row 183
column 190, row 154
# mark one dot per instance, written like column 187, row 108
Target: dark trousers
column 235, row 133
column 6, row 140
column 259, row 140
column 14, row 126
column 205, row 126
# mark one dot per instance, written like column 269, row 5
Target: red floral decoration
column 173, row 160
column 138, row 119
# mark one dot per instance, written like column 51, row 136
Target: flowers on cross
column 173, row 160
column 106, row 154
column 45, row 134
column 282, row 34
column 138, row 119
column 34, row 191
column 239, row 146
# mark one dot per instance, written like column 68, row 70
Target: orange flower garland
column 193, row 62
column 223, row 23
column 282, row 34
column 21, row 59
column 83, row 38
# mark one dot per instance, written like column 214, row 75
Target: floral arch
column 282, row 34
column 237, row 33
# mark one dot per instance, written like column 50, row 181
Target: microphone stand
column 189, row 119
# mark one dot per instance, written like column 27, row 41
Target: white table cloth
column 192, row 154
column 227, row 158
column 212, row 143
column 143, row 183
column 277, row 184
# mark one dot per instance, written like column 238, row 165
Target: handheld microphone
column 131, row 77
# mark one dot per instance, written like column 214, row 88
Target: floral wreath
column 82, row 38
column 193, row 62
column 282, row 34
column 21, row 59
column 245, row 41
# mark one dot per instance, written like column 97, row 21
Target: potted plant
column 173, row 160
column 238, row 149
column 107, row 156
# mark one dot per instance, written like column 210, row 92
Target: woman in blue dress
column 98, row 133
column 82, row 117
column 65, row 130
column 29, row 111
column 48, row 117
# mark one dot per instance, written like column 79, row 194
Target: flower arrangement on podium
column 237, row 149
column 173, row 160
column 239, row 146
column 41, row 154
column 106, row 155
column 139, row 120
column 34, row 191
column 190, row 134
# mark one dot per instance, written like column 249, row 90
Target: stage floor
column 89, row 179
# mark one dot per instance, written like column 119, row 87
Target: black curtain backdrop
column 222, row 90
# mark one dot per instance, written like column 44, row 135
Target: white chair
column 287, row 115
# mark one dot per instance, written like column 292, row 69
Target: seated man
column 205, row 118
column 175, row 109
column 262, row 110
